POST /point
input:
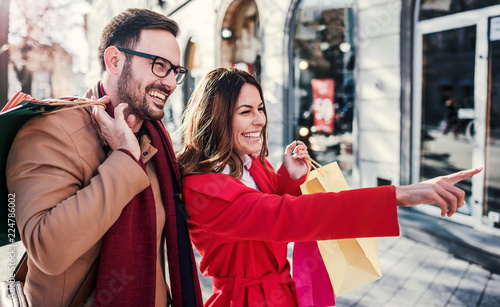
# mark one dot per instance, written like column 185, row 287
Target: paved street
column 414, row 275
column 418, row 275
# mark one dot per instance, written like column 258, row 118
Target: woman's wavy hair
column 207, row 124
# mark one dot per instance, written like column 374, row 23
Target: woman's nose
column 260, row 119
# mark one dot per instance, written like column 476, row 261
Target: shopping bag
column 350, row 263
column 312, row 283
column 13, row 116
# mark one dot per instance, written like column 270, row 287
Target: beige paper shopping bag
column 350, row 263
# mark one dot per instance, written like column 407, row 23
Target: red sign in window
column 323, row 109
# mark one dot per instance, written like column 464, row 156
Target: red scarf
column 127, row 268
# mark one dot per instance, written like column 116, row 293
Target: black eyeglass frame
column 178, row 70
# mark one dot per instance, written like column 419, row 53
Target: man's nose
column 169, row 81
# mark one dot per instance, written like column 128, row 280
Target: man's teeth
column 157, row 95
column 252, row 135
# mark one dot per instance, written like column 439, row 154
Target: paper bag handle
column 316, row 166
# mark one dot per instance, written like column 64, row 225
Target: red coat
column 242, row 233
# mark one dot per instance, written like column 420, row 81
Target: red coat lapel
column 263, row 177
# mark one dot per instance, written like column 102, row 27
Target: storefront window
column 456, row 101
column 324, row 56
column 241, row 43
column 191, row 62
column 437, row 8
column 447, row 138
column 492, row 199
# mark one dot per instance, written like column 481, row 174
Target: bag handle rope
column 312, row 164
column 71, row 102
column 316, row 166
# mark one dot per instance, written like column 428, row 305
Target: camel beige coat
column 68, row 194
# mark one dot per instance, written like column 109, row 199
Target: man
column 99, row 188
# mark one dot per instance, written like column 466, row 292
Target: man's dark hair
column 124, row 30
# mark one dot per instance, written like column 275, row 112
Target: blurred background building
column 395, row 91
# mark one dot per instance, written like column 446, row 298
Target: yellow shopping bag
column 350, row 263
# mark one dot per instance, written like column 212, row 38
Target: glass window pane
column 437, row 8
column 324, row 58
column 492, row 199
column 447, row 137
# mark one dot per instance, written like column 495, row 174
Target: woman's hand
column 440, row 190
column 295, row 159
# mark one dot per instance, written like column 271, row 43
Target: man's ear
column 113, row 58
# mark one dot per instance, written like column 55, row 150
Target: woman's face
column 248, row 121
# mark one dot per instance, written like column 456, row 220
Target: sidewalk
column 415, row 274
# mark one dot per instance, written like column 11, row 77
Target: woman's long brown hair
column 207, row 124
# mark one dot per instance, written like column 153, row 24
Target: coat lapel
column 263, row 177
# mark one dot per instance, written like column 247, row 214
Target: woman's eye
column 261, row 109
column 245, row 112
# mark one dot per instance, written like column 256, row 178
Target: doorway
column 456, row 108
column 491, row 209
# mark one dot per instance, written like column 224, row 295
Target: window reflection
column 437, row 8
column 324, row 85
column 492, row 199
column 447, row 137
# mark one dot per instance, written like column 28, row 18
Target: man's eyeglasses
column 161, row 67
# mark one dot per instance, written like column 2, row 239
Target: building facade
column 395, row 91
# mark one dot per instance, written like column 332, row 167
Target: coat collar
column 262, row 176
column 94, row 91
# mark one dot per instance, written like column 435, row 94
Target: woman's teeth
column 252, row 135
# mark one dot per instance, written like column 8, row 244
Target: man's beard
column 128, row 91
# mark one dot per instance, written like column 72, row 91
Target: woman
column 242, row 214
